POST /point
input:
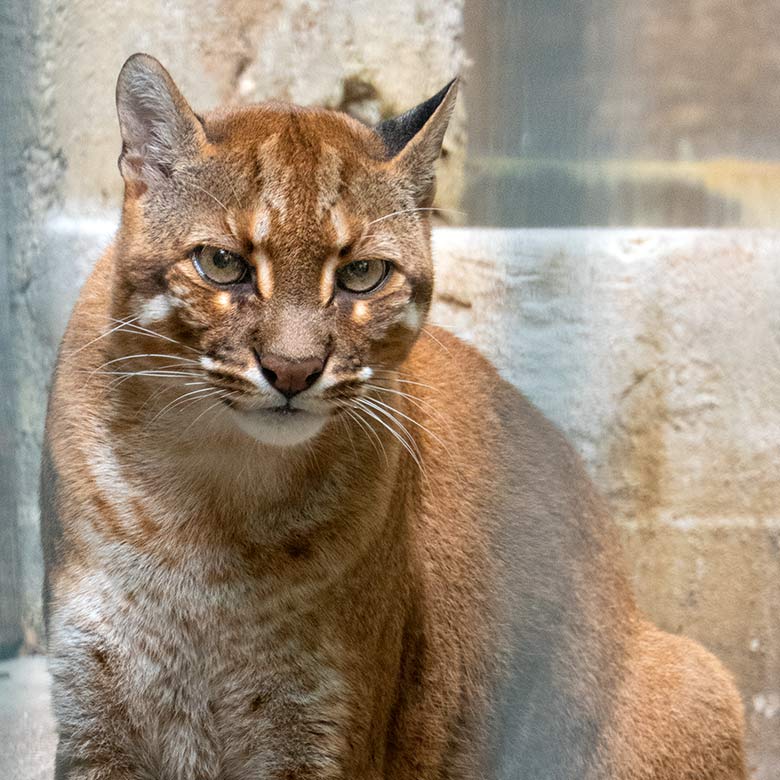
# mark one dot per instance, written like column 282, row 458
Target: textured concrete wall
column 658, row 352
column 620, row 112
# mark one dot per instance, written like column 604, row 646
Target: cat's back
column 506, row 457
column 521, row 528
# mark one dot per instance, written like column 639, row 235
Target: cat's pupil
column 222, row 259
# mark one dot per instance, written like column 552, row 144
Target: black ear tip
column 397, row 132
column 450, row 88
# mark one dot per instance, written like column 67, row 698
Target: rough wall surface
column 658, row 352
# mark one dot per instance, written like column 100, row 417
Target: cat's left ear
column 413, row 140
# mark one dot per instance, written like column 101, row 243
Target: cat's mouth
column 285, row 410
column 283, row 426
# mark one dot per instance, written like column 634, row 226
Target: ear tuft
column 157, row 125
column 413, row 140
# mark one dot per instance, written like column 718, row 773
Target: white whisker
column 354, row 413
column 140, row 329
column 402, row 439
column 431, row 336
column 414, row 422
column 412, row 211
column 150, row 372
column 176, row 401
column 97, row 338
column 148, row 355
column 189, row 183
column 206, row 411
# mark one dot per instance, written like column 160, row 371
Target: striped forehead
column 299, row 200
column 301, row 177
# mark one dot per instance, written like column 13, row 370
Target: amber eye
column 362, row 276
column 220, row 266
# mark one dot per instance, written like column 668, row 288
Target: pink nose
column 291, row 376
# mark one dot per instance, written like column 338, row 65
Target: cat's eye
column 220, row 266
column 362, row 276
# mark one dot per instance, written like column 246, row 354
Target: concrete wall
column 620, row 112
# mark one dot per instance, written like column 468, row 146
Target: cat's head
column 287, row 248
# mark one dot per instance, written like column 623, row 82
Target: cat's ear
column 158, row 126
column 413, row 140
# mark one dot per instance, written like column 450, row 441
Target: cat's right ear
column 158, row 126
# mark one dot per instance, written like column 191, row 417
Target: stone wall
column 618, row 112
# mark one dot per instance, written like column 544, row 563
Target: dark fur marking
column 258, row 701
column 100, row 657
column 298, row 549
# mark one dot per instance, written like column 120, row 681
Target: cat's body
column 445, row 603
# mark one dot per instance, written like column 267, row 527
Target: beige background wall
column 658, row 352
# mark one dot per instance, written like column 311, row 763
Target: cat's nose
column 290, row 376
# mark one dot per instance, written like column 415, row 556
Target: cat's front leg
column 96, row 741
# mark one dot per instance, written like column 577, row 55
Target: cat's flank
column 294, row 533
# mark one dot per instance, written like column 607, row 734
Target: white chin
column 278, row 429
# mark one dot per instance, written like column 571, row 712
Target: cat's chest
column 222, row 676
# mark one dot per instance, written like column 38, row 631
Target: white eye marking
column 156, row 309
column 328, row 280
column 260, row 229
column 412, row 317
column 223, row 300
column 339, row 226
column 361, row 312
column 265, row 275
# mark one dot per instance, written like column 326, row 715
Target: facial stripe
column 277, row 176
column 265, row 275
column 260, row 227
column 340, row 228
column 328, row 177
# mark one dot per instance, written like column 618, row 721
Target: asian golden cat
column 292, row 533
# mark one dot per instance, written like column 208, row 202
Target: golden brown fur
column 448, row 602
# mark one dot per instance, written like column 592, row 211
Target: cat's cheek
column 279, row 430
